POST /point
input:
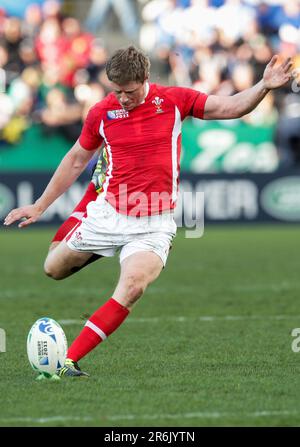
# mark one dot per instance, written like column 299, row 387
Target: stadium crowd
column 222, row 47
column 53, row 66
column 53, row 71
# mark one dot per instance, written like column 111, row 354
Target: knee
column 135, row 287
column 52, row 272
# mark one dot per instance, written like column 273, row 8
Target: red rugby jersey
column 143, row 147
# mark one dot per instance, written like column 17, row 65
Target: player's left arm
column 229, row 107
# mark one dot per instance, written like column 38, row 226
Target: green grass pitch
column 209, row 344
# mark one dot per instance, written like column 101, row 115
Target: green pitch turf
column 209, row 344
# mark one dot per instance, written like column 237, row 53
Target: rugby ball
column 46, row 346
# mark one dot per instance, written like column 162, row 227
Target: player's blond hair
column 128, row 65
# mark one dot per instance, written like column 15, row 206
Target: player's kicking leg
column 94, row 188
column 76, row 216
column 137, row 272
column 53, row 266
column 63, row 262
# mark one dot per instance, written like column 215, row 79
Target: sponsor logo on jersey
column 158, row 102
column 116, row 114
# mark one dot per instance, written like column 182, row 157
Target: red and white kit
column 143, row 147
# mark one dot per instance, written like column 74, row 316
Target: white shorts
column 105, row 232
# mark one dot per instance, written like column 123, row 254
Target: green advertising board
column 207, row 146
column 227, row 146
column 35, row 151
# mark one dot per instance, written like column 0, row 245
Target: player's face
column 131, row 94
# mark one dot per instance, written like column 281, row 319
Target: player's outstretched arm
column 229, row 107
column 71, row 166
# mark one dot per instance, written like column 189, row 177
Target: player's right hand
column 27, row 214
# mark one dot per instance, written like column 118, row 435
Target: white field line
column 46, row 420
column 133, row 417
column 153, row 290
column 182, row 319
column 265, row 287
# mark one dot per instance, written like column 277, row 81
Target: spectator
column 125, row 10
column 76, row 49
column 266, row 18
column 52, row 9
column 242, row 77
column 97, row 60
column 27, row 53
column 50, row 43
column 50, row 79
column 13, row 38
column 32, row 20
column 288, row 14
column 262, row 52
column 199, row 11
column 88, row 95
column 233, row 30
column 288, row 132
column 209, row 77
column 60, row 115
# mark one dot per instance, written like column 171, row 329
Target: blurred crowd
column 53, row 65
column 53, row 71
column 222, row 47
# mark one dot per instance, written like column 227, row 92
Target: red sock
column 100, row 325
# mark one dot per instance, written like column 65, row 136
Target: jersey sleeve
column 190, row 102
column 90, row 138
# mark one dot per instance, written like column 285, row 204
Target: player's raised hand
column 28, row 214
column 276, row 75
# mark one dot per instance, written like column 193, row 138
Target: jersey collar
column 147, row 92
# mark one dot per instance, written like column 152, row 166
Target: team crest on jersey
column 158, row 102
column 115, row 114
